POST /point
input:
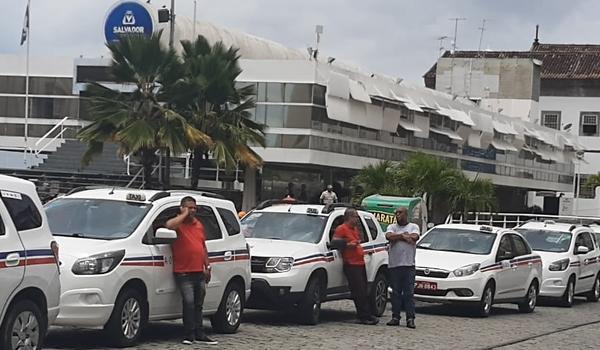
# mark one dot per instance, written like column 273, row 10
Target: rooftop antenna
column 441, row 48
column 479, row 55
column 536, row 41
column 456, row 20
column 482, row 29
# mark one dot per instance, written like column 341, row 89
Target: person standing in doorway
column 354, row 266
column 328, row 196
column 191, row 268
column 403, row 237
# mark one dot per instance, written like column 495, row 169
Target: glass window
column 15, row 106
column 12, row 85
column 294, row 141
column 457, row 240
column 284, row 226
column 297, row 117
column 273, row 140
column 262, row 92
column 372, row 227
column 88, row 218
column 275, row 92
column 2, row 228
column 161, row 221
column 22, row 210
column 319, row 95
column 230, row 220
column 589, row 124
column 520, row 246
column 505, row 250
column 207, row 217
column 12, row 129
column 275, row 116
column 260, row 115
column 298, row 93
column 93, row 73
column 42, row 107
column 588, row 241
column 50, row 86
column 37, row 130
column 551, row 119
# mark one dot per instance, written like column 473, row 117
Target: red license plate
column 424, row 285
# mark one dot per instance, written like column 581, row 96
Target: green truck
column 383, row 207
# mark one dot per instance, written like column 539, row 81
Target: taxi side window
column 363, row 233
column 587, row 241
column 207, row 217
column 520, row 246
column 579, row 241
column 22, row 210
column 372, row 227
column 230, row 220
column 2, row 229
column 160, row 222
column 505, row 249
column 336, row 222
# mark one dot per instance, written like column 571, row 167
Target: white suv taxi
column 293, row 264
column 481, row 265
column 117, row 265
column 571, row 259
column 29, row 283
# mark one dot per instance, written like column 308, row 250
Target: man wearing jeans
column 403, row 237
column 191, row 268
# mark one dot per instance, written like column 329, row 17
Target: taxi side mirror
column 582, row 250
column 164, row 236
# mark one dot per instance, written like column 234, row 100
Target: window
column 208, row 219
column 319, row 95
column 22, row 210
column 298, row 93
column 160, row 222
column 372, row 227
column 505, row 250
column 2, row 229
column 551, row 119
column 589, row 124
column 588, row 241
column 363, row 233
column 275, row 116
column 230, row 220
column 520, row 246
column 275, row 92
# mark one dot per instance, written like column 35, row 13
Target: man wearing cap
column 328, row 196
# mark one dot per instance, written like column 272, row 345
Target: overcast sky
column 393, row 37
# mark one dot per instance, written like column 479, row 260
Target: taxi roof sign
column 137, row 197
column 485, row 228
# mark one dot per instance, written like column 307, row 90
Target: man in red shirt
column 354, row 266
column 191, row 268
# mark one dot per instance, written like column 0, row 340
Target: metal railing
column 40, row 146
column 510, row 220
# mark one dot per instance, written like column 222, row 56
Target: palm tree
column 207, row 96
column 376, row 178
column 138, row 121
column 472, row 195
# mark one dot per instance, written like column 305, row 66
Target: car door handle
column 12, row 259
column 228, row 255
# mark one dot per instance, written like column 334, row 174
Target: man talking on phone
column 191, row 268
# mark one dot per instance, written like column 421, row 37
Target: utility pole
column 482, row 29
column 441, row 47
column 194, row 24
column 479, row 55
column 166, row 175
column 456, row 20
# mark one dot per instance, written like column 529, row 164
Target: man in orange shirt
column 191, row 268
column 354, row 266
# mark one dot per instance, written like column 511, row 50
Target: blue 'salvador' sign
column 127, row 17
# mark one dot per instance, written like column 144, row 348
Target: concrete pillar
column 249, row 195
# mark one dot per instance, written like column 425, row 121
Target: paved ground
column 438, row 327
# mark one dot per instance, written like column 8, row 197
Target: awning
column 503, row 146
column 504, row 128
column 483, row 122
column 338, row 85
column 397, row 97
column 358, row 92
column 406, row 125
column 456, row 115
column 451, row 134
column 569, row 141
column 413, row 107
column 424, row 104
column 543, row 154
column 533, row 133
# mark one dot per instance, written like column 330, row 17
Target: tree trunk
column 147, row 163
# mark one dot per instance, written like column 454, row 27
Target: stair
column 68, row 158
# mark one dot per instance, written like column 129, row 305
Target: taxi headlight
column 279, row 264
column 98, row 264
column 559, row 265
column 466, row 270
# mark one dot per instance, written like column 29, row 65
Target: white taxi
column 480, row 265
column 571, row 259
column 117, row 265
column 294, row 265
column 29, row 284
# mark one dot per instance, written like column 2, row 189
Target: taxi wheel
column 569, row 296
column 129, row 316
column 528, row 304
column 310, row 306
column 594, row 294
column 24, row 327
column 487, row 300
column 229, row 316
column 379, row 294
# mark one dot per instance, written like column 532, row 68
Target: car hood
column 76, row 247
column 550, row 257
column 276, row 248
column 446, row 260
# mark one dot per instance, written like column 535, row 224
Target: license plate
column 424, row 285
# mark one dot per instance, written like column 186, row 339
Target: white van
column 117, row 265
column 29, row 283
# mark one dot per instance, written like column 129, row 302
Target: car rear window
column 230, row 220
column 458, row 240
column 22, row 210
column 547, row 240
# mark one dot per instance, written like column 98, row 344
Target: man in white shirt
column 403, row 237
column 328, row 196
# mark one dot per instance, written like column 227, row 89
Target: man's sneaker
column 187, row 341
column 203, row 339
column 410, row 323
column 394, row 322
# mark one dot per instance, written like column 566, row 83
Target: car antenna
column 112, row 191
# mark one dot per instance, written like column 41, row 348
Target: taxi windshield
column 458, row 240
column 546, row 240
column 94, row 218
column 284, row 226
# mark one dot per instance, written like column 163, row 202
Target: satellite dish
column 567, row 126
